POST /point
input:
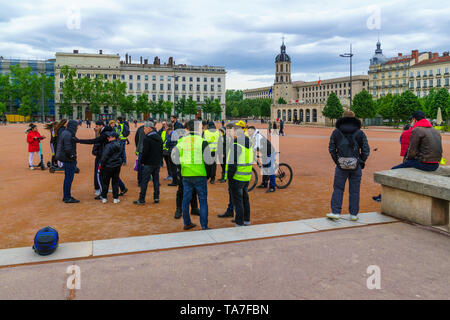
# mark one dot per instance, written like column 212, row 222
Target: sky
column 242, row 36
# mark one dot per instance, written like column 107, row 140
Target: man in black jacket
column 97, row 150
column 347, row 141
column 110, row 163
column 151, row 161
column 67, row 154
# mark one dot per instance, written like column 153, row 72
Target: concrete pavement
column 414, row 264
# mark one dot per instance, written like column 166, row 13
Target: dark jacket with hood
column 152, row 149
column 426, row 143
column 233, row 158
column 99, row 142
column 66, row 150
column 139, row 139
column 349, row 127
column 112, row 156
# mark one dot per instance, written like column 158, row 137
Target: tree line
column 237, row 107
column 25, row 92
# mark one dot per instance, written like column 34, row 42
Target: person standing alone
column 349, row 150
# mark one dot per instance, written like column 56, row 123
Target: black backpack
column 348, row 151
column 46, row 241
column 126, row 130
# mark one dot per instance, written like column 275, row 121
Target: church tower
column 282, row 87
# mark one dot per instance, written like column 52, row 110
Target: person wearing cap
column 347, row 141
column 33, row 138
column 212, row 136
column 189, row 155
column 425, row 147
column 120, row 125
column 151, row 161
column 99, row 142
column 110, row 164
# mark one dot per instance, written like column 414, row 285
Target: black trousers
column 180, row 190
column 241, row 202
column 97, row 179
column 110, row 174
column 172, row 169
column 148, row 171
column 211, row 168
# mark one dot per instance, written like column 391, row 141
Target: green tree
column 439, row 100
column 2, row 108
column 68, row 91
column 265, row 107
column 363, row 106
column 384, row 107
column 127, row 105
column 281, row 101
column 411, row 103
column 190, row 108
column 207, row 107
column 168, row 107
column 333, row 108
column 142, row 105
column 235, row 112
column 26, row 108
column 179, row 106
column 216, row 109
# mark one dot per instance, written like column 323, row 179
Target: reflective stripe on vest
column 121, row 137
column 164, row 139
column 212, row 137
column 191, row 156
column 244, row 164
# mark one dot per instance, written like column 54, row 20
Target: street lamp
column 175, row 78
column 349, row 55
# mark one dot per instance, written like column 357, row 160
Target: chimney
column 100, row 51
column 129, row 57
column 435, row 55
column 126, row 57
column 75, row 51
column 170, row 61
column 400, row 54
column 141, row 59
column 145, row 61
column 445, row 54
column 415, row 55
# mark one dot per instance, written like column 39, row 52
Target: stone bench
column 418, row 196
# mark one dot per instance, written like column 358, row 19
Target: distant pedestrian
column 281, row 127
column 349, row 150
column 33, row 139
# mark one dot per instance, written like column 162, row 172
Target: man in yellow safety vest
column 212, row 136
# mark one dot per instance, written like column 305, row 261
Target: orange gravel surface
column 30, row 200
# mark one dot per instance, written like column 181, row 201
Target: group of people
column 191, row 153
column 421, row 148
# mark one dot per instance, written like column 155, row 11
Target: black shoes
column 173, row 184
column 189, row 226
column 222, row 180
column 195, row 212
column 98, row 198
column 226, row 215
column 212, row 181
column 178, row 214
column 377, row 198
column 261, row 186
column 139, row 202
column 270, row 190
column 71, row 200
column 156, row 200
column 123, row 192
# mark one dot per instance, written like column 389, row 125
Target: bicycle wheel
column 252, row 184
column 283, row 176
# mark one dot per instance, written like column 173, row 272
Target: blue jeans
column 418, row 165
column 268, row 171
column 124, row 143
column 199, row 184
column 354, row 180
column 230, row 208
column 69, row 173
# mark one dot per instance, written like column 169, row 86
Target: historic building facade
column 168, row 81
column 418, row 72
column 305, row 99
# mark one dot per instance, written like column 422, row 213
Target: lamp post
column 349, row 55
column 175, row 78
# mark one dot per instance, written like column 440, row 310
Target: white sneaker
column 104, row 200
column 333, row 216
column 98, row 192
column 116, row 200
column 31, row 168
column 354, row 217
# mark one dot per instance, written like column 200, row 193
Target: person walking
column 275, row 127
column 238, row 172
column 189, row 154
column 151, row 160
column 67, row 153
column 349, row 150
column 212, row 136
column 110, row 164
column 425, row 147
column 281, row 127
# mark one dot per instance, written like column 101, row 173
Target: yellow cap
column 241, row 124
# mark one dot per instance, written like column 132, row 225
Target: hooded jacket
column 112, row 155
column 152, row 149
column 349, row 126
column 139, row 139
column 67, row 146
column 426, row 143
column 405, row 139
column 99, row 142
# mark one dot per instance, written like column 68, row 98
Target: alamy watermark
column 74, row 279
column 73, row 21
column 374, row 20
column 374, row 280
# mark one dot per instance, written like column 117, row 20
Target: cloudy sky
column 242, row 36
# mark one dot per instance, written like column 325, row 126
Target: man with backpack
column 349, row 149
column 123, row 129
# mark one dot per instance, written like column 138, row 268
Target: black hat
column 112, row 134
column 100, row 123
column 419, row 115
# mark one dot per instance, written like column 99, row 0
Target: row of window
column 429, row 73
column 383, row 75
column 155, row 97
column 293, row 115
column 330, row 86
column 177, row 87
column 146, row 77
column 430, row 83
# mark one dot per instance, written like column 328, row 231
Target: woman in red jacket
column 405, row 139
column 33, row 138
